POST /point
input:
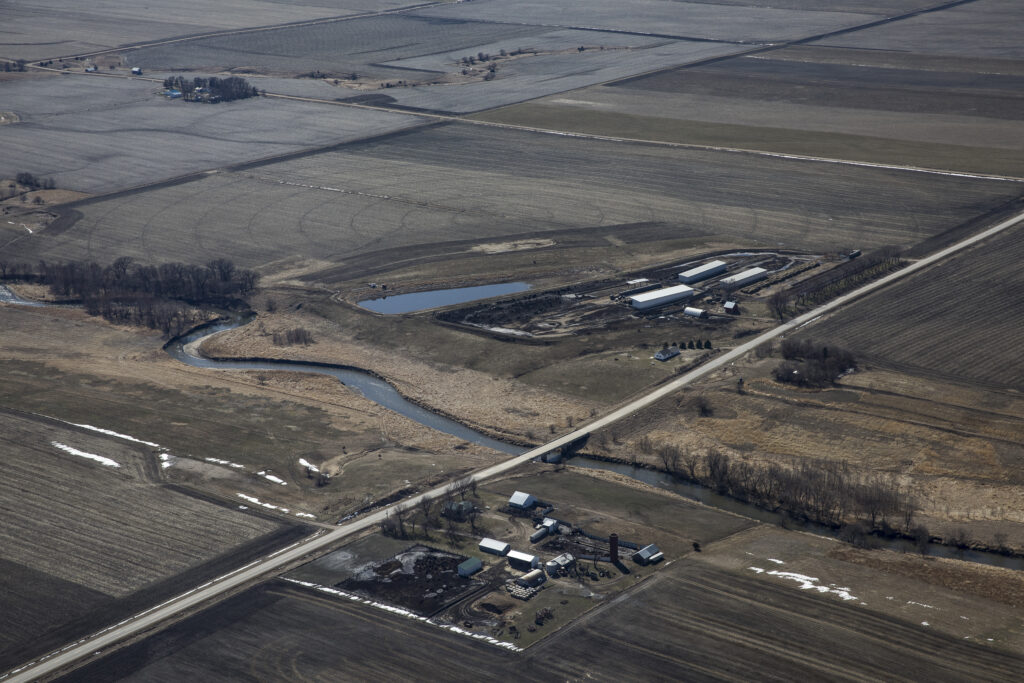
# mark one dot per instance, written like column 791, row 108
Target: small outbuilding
column 732, row 307
column 539, row 535
column 494, row 547
column 522, row 501
column 695, row 312
column 703, row 272
column 667, row 353
column 522, row 561
column 564, row 561
column 532, row 579
column 136, row 71
column 648, row 555
column 90, row 69
column 470, row 567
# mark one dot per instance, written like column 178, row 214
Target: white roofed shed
column 660, row 297
column 703, row 272
column 745, row 278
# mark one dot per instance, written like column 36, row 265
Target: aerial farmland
column 636, row 339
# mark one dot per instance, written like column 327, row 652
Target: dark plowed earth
column 693, row 622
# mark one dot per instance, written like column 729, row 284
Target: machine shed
column 745, row 278
column 703, row 272
column 494, row 547
column 660, row 297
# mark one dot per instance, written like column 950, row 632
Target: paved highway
column 155, row 615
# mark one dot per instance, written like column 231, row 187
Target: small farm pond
column 435, row 298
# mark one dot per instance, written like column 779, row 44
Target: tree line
column 164, row 297
column 211, row 89
column 824, row 492
column 808, row 364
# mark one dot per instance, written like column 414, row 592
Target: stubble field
column 957, row 320
column 86, row 538
column 438, row 186
column 101, row 134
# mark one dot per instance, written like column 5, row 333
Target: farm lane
column 152, row 617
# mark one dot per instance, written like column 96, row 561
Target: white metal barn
column 745, row 278
column 495, row 547
column 699, row 273
column 660, row 297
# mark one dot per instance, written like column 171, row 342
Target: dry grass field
column 451, row 185
column 85, row 541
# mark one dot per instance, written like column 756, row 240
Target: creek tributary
column 382, row 393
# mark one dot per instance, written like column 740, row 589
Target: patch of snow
column 218, row 461
column 305, row 514
column 270, row 506
column 91, row 456
column 925, row 623
column 115, row 434
column 407, row 614
column 771, row 559
column 305, row 463
column 809, row 583
column 166, row 460
column 920, row 604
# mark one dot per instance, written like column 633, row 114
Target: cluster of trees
column 296, row 335
column 824, row 492
column 211, row 89
column 808, row 364
column 32, row 182
column 161, row 297
column 401, row 520
column 842, row 278
column 699, row 344
column 17, row 65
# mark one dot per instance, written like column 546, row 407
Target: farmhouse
column 660, row 297
column 494, row 547
column 702, row 272
column 667, row 353
column 745, row 278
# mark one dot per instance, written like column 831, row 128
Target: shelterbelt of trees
column 171, row 297
column 211, row 89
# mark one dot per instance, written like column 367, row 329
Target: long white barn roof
column 656, row 294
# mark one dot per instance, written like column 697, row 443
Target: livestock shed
column 660, row 297
column 494, row 547
column 522, row 501
column 695, row 312
column 470, row 567
column 649, row 554
column 665, row 354
column 564, row 561
column 699, row 273
column 745, row 278
column 539, row 535
column 522, row 561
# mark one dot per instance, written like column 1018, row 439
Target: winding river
column 382, row 393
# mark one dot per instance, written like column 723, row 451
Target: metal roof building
column 699, row 273
column 470, row 567
column 494, row 547
column 648, row 555
column 695, row 312
column 532, row 578
column 660, row 297
column 745, row 278
column 522, row 500
column 523, row 561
